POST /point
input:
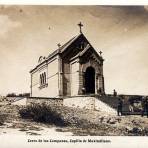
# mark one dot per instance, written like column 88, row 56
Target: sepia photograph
column 73, row 70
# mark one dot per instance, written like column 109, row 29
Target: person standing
column 119, row 107
column 143, row 105
column 146, row 106
column 114, row 93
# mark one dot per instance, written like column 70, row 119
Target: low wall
column 20, row 102
column 48, row 101
column 13, row 99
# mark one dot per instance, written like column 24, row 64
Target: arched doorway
column 90, row 80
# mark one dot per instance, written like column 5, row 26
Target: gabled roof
column 65, row 46
column 81, row 53
column 59, row 50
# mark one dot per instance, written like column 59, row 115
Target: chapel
column 75, row 68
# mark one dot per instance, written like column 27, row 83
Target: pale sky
column 121, row 33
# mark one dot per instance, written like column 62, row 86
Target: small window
column 42, row 79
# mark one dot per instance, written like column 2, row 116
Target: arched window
column 42, row 79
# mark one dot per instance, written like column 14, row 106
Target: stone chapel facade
column 73, row 69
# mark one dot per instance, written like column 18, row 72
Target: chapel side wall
column 53, row 76
column 52, row 88
column 35, row 83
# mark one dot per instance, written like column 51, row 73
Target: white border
column 14, row 141
column 74, row 2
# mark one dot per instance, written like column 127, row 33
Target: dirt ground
column 83, row 123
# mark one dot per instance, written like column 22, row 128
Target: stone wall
column 14, row 99
column 48, row 101
column 21, row 102
column 79, row 102
column 88, row 102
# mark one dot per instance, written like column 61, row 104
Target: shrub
column 43, row 113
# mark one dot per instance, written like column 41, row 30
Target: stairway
column 104, row 107
column 109, row 100
column 113, row 101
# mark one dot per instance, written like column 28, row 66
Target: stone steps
column 104, row 107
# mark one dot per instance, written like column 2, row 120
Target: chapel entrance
column 90, row 80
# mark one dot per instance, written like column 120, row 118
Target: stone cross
column 59, row 45
column 80, row 25
column 100, row 53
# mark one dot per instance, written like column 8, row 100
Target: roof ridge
column 64, row 45
column 70, row 42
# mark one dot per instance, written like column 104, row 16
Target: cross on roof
column 80, row 25
column 59, row 45
column 100, row 52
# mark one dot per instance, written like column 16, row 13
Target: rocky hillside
column 102, row 124
column 83, row 122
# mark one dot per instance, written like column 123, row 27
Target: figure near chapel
column 119, row 107
column 144, row 104
column 114, row 93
